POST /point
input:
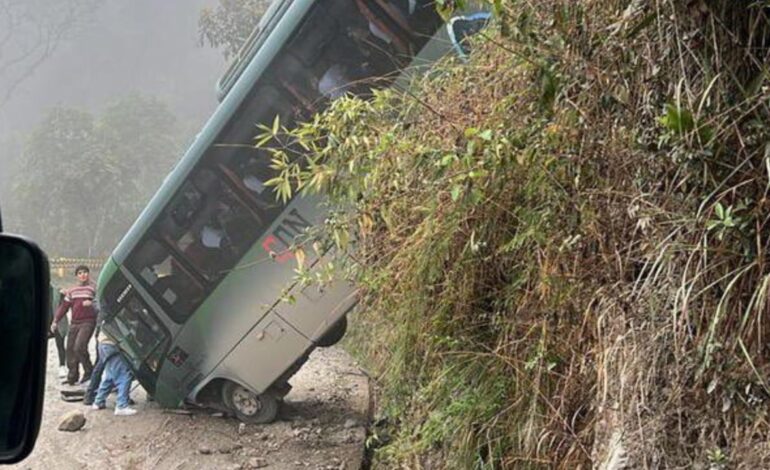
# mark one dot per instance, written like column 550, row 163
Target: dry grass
column 563, row 243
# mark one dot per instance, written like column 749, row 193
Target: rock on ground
column 72, row 421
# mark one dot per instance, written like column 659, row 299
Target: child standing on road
column 117, row 373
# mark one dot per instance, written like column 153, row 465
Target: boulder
column 72, row 421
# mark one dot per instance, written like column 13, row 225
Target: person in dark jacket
column 60, row 335
column 81, row 300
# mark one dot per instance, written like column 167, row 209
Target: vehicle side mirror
column 24, row 317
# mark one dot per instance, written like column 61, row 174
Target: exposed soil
column 322, row 426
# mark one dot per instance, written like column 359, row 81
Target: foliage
column 561, row 247
column 87, row 177
column 229, row 24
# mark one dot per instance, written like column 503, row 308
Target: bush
column 561, row 245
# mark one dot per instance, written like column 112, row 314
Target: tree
column 142, row 130
column 82, row 180
column 229, row 24
column 30, row 32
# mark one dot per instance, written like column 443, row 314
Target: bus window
column 154, row 361
column 295, row 78
column 185, row 205
column 261, row 107
column 222, row 232
column 234, row 153
column 250, row 171
column 245, row 167
column 146, row 334
column 340, row 55
column 138, row 332
column 317, row 31
column 171, row 285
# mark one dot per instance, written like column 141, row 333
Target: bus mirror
column 24, row 316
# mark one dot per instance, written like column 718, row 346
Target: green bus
column 192, row 293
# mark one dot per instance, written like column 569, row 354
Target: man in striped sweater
column 81, row 299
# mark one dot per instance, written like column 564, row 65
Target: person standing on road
column 60, row 335
column 81, row 299
column 117, row 373
column 106, row 348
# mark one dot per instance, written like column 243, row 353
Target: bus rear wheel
column 248, row 406
column 335, row 333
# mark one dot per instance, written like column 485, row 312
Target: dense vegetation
column 562, row 244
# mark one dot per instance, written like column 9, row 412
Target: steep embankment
column 563, row 242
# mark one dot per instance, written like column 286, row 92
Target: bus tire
column 334, row 334
column 226, row 394
column 249, row 407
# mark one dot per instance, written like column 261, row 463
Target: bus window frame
column 124, row 341
column 235, row 200
column 172, row 312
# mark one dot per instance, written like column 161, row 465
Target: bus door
column 139, row 333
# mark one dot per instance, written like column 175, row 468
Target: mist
column 110, row 69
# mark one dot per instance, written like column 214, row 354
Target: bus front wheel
column 335, row 333
column 248, row 406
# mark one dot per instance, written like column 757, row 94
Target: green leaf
column 456, row 192
column 677, row 120
column 720, row 210
column 497, row 7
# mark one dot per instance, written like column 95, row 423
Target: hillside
column 562, row 244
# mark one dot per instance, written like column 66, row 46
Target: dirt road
column 321, row 427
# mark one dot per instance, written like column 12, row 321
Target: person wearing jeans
column 117, row 373
column 106, row 350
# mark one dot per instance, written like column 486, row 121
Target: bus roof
column 285, row 16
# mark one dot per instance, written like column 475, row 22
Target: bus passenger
column 251, row 171
column 253, row 184
column 212, row 237
column 334, row 83
column 81, row 300
column 379, row 34
column 340, row 79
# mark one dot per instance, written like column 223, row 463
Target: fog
column 145, row 46
column 116, row 49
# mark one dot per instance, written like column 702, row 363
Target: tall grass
column 561, row 246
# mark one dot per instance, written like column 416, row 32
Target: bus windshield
column 140, row 335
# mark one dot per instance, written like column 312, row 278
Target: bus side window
column 170, row 284
column 316, row 32
column 185, row 205
column 221, row 233
column 294, row 77
column 246, row 167
column 339, row 63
